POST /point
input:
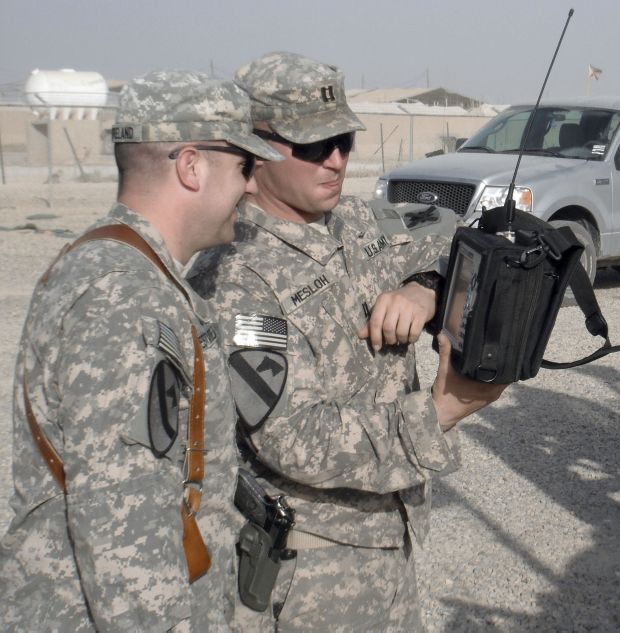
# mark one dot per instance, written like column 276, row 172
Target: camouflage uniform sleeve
column 434, row 449
column 122, row 503
column 334, row 433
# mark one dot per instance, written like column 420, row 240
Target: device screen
column 461, row 295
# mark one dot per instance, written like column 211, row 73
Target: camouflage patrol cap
column 301, row 99
column 179, row 105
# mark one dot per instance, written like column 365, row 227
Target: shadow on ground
column 573, row 457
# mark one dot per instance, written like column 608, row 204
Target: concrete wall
column 409, row 137
column 14, row 123
column 406, row 137
column 24, row 133
column 54, row 138
column 67, row 142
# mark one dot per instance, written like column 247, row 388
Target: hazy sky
column 494, row 50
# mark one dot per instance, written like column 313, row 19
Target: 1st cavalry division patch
column 257, row 377
column 163, row 411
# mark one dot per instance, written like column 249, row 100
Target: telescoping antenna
column 510, row 203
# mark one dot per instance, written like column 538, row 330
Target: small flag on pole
column 594, row 72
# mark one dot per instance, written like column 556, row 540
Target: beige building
column 405, row 124
column 40, row 139
column 424, row 96
column 397, row 133
column 56, row 118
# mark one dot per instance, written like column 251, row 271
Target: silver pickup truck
column 569, row 174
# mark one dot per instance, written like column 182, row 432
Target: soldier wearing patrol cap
column 320, row 303
column 124, row 453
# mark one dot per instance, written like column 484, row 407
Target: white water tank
column 66, row 93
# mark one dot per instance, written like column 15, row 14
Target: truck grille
column 455, row 196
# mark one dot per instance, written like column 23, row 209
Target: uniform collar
column 301, row 236
column 153, row 237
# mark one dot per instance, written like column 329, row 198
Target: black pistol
column 262, row 542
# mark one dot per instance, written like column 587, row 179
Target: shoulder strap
column 46, row 448
column 595, row 321
column 196, row 552
column 125, row 234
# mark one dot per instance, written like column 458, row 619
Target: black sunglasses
column 249, row 164
column 315, row 152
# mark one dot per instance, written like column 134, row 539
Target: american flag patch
column 260, row 331
column 168, row 341
column 169, row 344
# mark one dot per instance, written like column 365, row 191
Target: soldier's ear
column 188, row 166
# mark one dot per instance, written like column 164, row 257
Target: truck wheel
column 588, row 258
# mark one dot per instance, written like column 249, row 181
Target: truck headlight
column 381, row 189
column 496, row 197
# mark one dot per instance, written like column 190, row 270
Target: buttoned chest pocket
column 386, row 269
column 330, row 352
column 418, row 236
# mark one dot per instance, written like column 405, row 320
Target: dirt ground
column 524, row 537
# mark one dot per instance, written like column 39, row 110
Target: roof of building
column 406, row 108
column 385, row 95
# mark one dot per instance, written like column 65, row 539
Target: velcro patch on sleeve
column 258, row 378
column 254, row 330
column 163, row 408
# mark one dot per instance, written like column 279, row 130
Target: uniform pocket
column 128, row 544
column 343, row 358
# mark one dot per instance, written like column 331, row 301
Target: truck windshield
column 565, row 132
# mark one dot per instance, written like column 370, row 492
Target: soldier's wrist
column 433, row 281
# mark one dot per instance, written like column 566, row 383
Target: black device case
column 500, row 323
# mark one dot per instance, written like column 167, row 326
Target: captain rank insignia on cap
column 327, row 94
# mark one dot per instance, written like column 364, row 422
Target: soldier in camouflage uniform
column 330, row 408
column 107, row 360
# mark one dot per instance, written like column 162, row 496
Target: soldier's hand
column 456, row 396
column 399, row 316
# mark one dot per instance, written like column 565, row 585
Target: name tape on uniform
column 372, row 249
column 305, row 292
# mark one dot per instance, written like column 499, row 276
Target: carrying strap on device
column 196, row 552
column 595, row 321
column 494, row 221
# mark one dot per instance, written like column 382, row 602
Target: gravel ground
column 525, row 537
